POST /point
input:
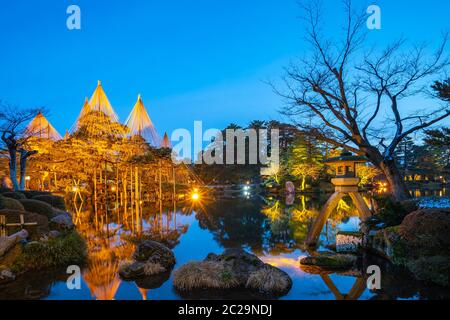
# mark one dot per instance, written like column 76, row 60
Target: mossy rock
column 330, row 261
column 426, row 232
column 54, row 201
column 32, row 193
column 14, row 195
column 11, row 204
column 53, row 253
column 39, row 207
column 35, row 232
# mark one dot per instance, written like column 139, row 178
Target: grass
column 151, row 268
column 204, row 275
column 56, row 252
column 269, row 280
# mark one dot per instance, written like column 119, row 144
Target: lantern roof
column 347, row 157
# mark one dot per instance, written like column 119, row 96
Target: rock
column 150, row 259
column 6, row 276
column 420, row 243
column 7, row 243
column 233, row 269
column 426, row 231
column 131, row 270
column 62, row 222
column 271, row 280
column 385, row 242
column 54, row 234
column 154, row 252
column 153, row 282
column 347, row 241
column 330, row 261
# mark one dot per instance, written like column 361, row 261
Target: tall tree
column 349, row 97
column 439, row 142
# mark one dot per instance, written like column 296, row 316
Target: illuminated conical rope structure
column 40, row 127
column 84, row 111
column 97, row 118
column 99, row 102
column 140, row 124
column 165, row 143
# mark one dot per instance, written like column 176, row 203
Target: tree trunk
column 24, row 155
column 303, row 183
column 13, row 168
column 394, row 178
column 23, row 171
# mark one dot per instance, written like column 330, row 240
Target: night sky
column 190, row 60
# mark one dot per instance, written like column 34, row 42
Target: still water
column 270, row 228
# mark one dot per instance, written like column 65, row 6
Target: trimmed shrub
column 54, row 201
column 56, row 252
column 29, row 194
column 39, row 207
column 3, row 190
column 14, row 195
column 35, row 232
column 391, row 212
column 9, row 203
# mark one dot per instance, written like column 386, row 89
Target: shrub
column 14, row 195
column 39, row 207
column 35, row 232
column 56, row 252
column 3, row 190
column 54, row 201
column 391, row 212
column 29, row 194
column 9, row 203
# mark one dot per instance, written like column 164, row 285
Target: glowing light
column 28, row 178
column 74, row 189
column 113, row 188
column 246, row 187
column 195, row 196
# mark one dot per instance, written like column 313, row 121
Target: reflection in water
column 110, row 236
column 272, row 230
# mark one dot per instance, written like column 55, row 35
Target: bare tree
column 12, row 130
column 355, row 94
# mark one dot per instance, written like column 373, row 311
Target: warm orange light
column 27, row 178
column 113, row 188
column 74, row 189
column 195, row 196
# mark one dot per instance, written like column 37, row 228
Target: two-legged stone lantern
column 346, row 182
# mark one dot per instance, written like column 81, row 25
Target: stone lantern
column 345, row 182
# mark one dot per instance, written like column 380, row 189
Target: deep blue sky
column 190, row 60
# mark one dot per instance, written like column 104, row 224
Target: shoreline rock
column 233, row 269
column 420, row 244
column 330, row 261
column 150, row 258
